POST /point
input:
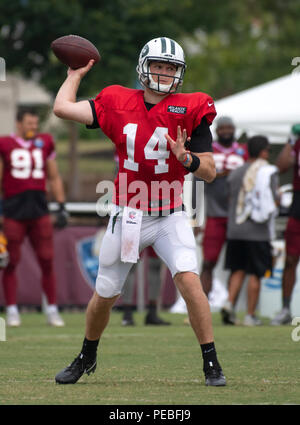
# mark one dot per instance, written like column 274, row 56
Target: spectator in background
column 28, row 163
column 290, row 157
column 228, row 155
column 252, row 204
column 154, row 287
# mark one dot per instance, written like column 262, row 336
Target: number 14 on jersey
column 156, row 148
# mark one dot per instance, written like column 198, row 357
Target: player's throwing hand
column 81, row 71
column 178, row 146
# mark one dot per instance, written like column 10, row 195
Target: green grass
column 148, row 365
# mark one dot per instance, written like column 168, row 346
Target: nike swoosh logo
column 208, row 351
column 87, row 370
column 209, row 104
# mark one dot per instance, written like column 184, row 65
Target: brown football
column 75, row 51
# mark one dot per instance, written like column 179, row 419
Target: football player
column 290, row 157
column 149, row 129
column 28, row 163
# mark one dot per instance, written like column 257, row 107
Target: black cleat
column 214, row 377
column 128, row 322
column 128, row 318
column 76, row 369
column 152, row 319
column 228, row 317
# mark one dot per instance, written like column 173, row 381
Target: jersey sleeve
column 95, row 123
column 1, row 146
column 100, row 105
column 205, row 108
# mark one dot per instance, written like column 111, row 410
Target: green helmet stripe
column 163, row 45
column 172, row 47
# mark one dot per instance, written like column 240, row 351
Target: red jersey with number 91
column 139, row 135
column 24, row 163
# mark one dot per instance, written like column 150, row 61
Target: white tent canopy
column 269, row 109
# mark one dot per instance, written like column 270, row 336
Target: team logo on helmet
column 145, row 51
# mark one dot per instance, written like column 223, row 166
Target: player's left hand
column 61, row 217
column 178, row 146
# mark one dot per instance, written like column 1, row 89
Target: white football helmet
column 161, row 49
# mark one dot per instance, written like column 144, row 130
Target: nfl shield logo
column 87, row 261
column 132, row 215
column 39, row 143
column 240, row 151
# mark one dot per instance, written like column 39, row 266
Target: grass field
column 148, row 365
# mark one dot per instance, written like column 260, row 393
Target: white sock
column 52, row 308
column 12, row 309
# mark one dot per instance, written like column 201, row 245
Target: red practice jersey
column 228, row 159
column 145, row 158
column 296, row 179
column 24, row 163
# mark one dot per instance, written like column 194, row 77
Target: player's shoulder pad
column 115, row 91
column 196, row 99
column 200, row 104
column 5, row 137
column 4, row 140
column 241, row 149
column 115, row 96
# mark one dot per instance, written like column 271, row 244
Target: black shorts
column 253, row 257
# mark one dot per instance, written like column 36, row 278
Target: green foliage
column 256, row 46
column 230, row 45
column 119, row 29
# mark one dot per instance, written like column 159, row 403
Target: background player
column 149, row 128
column 28, row 162
column 228, row 155
column 290, row 157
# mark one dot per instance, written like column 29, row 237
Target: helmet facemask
column 157, row 86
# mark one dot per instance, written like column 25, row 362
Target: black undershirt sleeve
column 95, row 123
column 201, row 139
